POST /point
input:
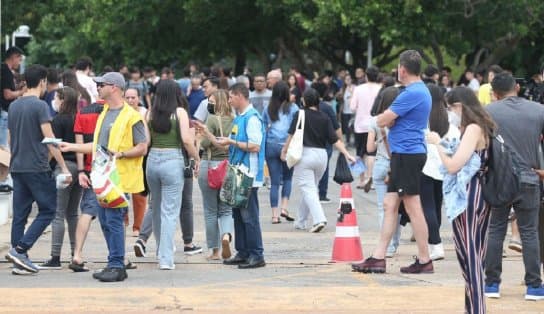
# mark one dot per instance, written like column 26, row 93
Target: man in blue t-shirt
column 407, row 119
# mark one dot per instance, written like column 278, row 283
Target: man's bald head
column 273, row 77
column 132, row 97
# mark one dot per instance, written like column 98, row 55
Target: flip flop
column 276, row 220
column 78, row 267
column 285, row 214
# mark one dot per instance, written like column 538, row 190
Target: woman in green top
column 217, row 215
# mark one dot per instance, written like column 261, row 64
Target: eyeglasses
column 103, row 84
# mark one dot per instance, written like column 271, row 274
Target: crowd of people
column 166, row 132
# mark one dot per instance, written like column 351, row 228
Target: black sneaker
column 324, row 200
column 418, row 268
column 98, row 273
column 52, row 263
column 112, row 275
column 192, row 250
column 139, row 248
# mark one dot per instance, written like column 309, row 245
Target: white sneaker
column 167, row 267
column 436, row 251
column 390, row 253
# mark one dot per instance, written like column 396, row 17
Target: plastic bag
column 357, row 168
column 105, row 180
column 236, row 186
column 342, row 174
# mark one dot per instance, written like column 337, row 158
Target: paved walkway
column 298, row 277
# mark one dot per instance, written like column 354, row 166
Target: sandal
column 276, row 220
column 285, row 214
column 78, row 267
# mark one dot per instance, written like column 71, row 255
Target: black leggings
column 346, row 130
column 431, row 201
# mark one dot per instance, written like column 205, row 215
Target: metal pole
column 7, row 42
column 369, row 53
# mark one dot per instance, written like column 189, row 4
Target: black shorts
column 406, row 173
column 360, row 144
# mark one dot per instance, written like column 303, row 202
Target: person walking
column 68, row 198
column 346, row 112
column 318, row 132
column 407, row 118
column 165, row 166
column 29, row 123
column 121, row 130
column 469, row 225
column 217, row 215
column 277, row 118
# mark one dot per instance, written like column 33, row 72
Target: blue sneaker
column 492, row 291
column 22, row 260
column 535, row 294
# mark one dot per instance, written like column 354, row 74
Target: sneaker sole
column 139, row 250
column 17, row 261
column 421, row 272
column 439, row 258
column 370, row 270
column 534, row 297
column 494, row 295
column 317, row 229
column 21, row 272
column 49, row 267
column 193, row 252
column 225, row 249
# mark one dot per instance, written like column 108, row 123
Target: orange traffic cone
column 347, row 243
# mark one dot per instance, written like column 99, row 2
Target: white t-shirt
column 474, row 85
column 432, row 166
column 88, row 83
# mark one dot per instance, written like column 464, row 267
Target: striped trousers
column 469, row 235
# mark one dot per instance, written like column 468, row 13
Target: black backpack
column 501, row 185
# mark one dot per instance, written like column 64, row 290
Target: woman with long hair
column 294, row 89
column 169, row 130
column 65, row 103
column 377, row 142
column 469, row 226
column 217, row 215
column 345, row 113
column 69, row 78
column 431, row 179
column 318, row 131
column 277, row 118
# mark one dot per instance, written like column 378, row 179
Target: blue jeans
column 248, row 239
column 217, row 215
column 112, row 223
column 279, row 172
column 28, row 188
column 324, row 182
column 381, row 167
column 3, row 128
column 165, row 180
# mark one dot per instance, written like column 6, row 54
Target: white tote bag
column 294, row 152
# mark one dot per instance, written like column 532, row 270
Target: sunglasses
column 103, row 84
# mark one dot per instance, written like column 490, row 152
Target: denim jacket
column 277, row 131
column 454, row 186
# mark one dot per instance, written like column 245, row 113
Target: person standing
column 217, row 215
column 407, row 118
column 470, row 223
column 29, row 123
column 318, row 132
column 210, row 86
column 121, row 130
column 195, row 95
column 260, row 97
column 246, row 146
column 277, row 118
column 521, row 123
column 10, row 91
column 83, row 68
column 137, row 82
column 361, row 104
column 68, row 198
column 346, row 112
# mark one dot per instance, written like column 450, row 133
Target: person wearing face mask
column 65, row 104
column 217, row 215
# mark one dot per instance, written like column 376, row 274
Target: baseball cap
column 114, row 78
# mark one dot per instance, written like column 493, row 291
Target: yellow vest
column 131, row 174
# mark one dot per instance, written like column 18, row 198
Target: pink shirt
column 361, row 104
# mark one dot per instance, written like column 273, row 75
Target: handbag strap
column 220, row 132
column 183, row 151
column 301, row 119
column 385, row 142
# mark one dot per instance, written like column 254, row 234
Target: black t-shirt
column 7, row 82
column 63, row 127
column 318, row 129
